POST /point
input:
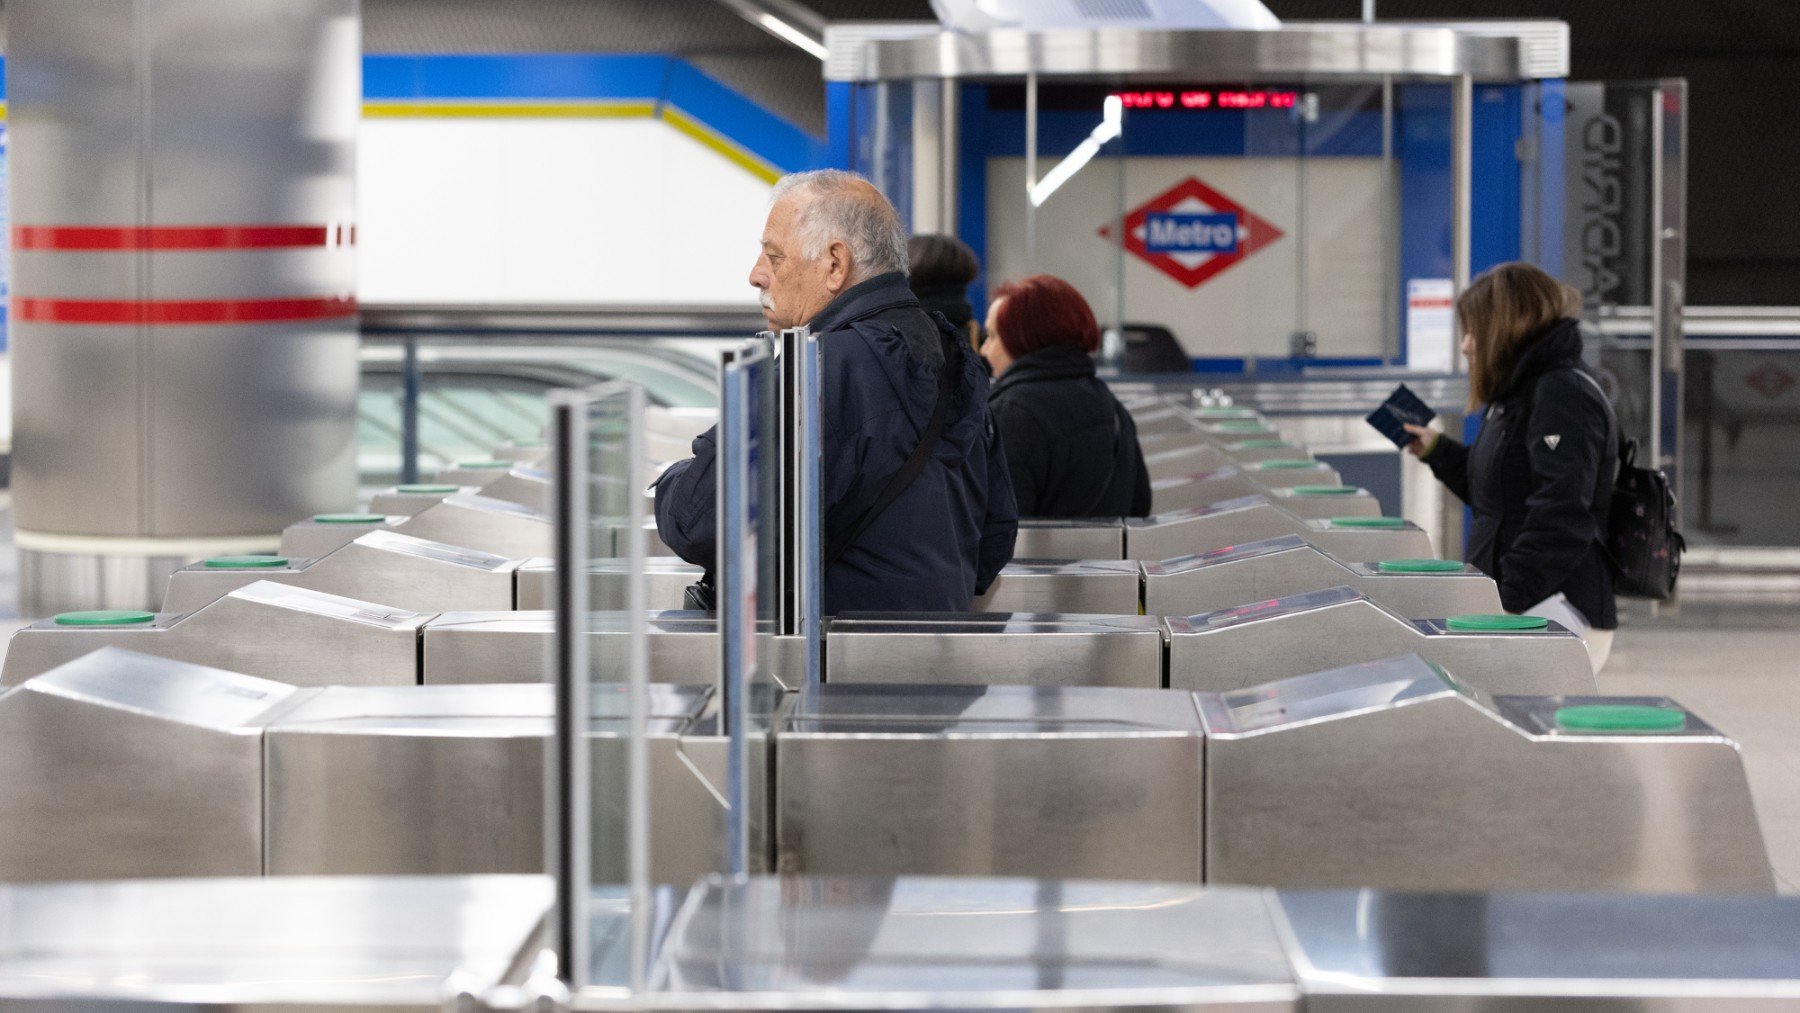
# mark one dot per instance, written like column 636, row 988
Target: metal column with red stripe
column 183, row 308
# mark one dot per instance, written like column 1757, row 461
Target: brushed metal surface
column 267, row 944
column 1299, row 634
column 1055, row 538
column 1365, row 950
column 994, row 649
column 310, row 539
column 1172, row 533
column 1229, row 481
column 666, row 582
column 1296, row 50
column 465, row 475
column 1253, row 451
column 996, row 780
column 124, row 765
column 1177, row 461
column 961, row 943
column 381, row 567
column 682, row 648
column 1388, row 775
column 266, row 629
column 174, row 113
column 450, row 778
column 1277, row 567
column 1323, row 506
column 405, row 504
column 526, row 486
column 1090, row 586
column 481, row 522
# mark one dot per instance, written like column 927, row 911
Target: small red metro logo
column 1192, row 232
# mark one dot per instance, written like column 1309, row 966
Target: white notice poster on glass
column 1430, row 324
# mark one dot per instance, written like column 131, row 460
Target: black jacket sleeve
column 1000, row 528
column 686, row 507
column 1449, row 461
column 1566, row 439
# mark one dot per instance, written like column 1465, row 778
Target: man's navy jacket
column 947, row 536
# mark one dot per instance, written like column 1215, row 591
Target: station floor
column 1735, row 664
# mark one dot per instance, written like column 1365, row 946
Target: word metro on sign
column 1191, row 233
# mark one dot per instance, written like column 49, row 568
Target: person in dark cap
column 940, row 271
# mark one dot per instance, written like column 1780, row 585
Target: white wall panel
column 552, row 211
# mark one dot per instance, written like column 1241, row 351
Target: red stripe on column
column 184, row 311
column 179, row 237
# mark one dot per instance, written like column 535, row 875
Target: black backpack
column 1641, row 543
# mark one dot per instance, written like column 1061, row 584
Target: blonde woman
column 1539, row 476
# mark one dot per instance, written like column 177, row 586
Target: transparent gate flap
column 945, row 937
column 287, row 940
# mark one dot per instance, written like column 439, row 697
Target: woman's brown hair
column 1501, row 311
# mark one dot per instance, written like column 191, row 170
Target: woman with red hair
column 1071, row 447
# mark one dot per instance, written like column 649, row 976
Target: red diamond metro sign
column 1192, row 232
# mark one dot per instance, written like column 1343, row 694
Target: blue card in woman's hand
column 1401, row 407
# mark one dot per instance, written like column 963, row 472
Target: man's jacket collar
column 873, row 295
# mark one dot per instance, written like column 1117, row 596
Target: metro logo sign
column 1192, row 232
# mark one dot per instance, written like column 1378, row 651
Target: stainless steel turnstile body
column 483, row 523
column 450, row 779
column 475, row 473
column 997, row 780
column 1177, row 461
column 313, row 537
column 524, row 485
column 1278, row 567
column 1388, row 775
column 1251, row 451
column 297, row 944
column 1254, row 518
column 274, row 631
column 1095, row 586
column 682, row 648
column 666, row 582
column 382, row 566
column 1196, row 492
column 123, row 765
column 810, row 942
column 1284, row 637
column 406, row 500
column 1075, row 538
column 1003, row 649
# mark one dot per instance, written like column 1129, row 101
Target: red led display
column 1208, row 99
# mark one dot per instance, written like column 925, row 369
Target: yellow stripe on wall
column 721, row 144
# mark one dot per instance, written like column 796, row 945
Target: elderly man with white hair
column 919, row 508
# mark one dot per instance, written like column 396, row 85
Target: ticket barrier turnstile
column 483, row 523
column 267, row 629
column 324, row 534
column 1278, row 567
column 1308, row 501
column 1254, row 518
column 1391, row 775
column 1252, row 451
column 522, row 484
column 1015, row 649
column 121, row 764
column 1093, row 586
column 1271, row 640
column 1070, row 538
column 475, row 473
column 381, row 566
column 666, row 583
column 530, row 453
column 406, row 500
column 682, row 648
column 319, row 944
column 1163, row 462
column 1066, row 781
